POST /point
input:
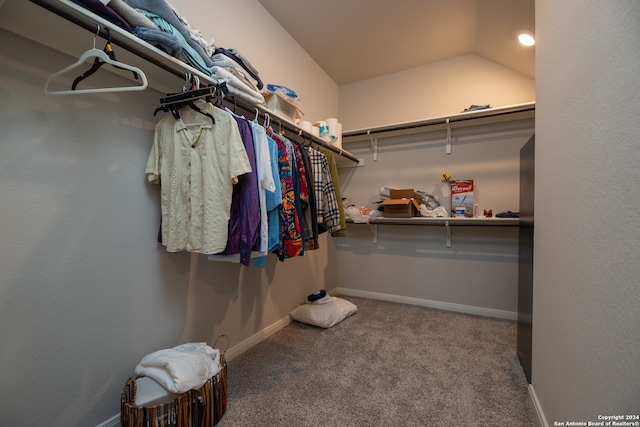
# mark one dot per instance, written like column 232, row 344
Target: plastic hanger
column 98, row 63
column 190, row 93
column 192, row 103
column 98, row 55
column 194, row 107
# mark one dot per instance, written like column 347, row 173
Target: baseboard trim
column 111, row 422
column 460, row 308
column 542, row 420
column 245, row 345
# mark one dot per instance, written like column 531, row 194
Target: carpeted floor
column 388, row 365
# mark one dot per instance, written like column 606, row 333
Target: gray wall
column 586, row 308
column 85, row 290
column 433, row 90
column 478, row 273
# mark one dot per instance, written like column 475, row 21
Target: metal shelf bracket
column 448, row 136
column 374, row 145
column 374, row 232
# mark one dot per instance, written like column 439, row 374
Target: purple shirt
column 244, row 225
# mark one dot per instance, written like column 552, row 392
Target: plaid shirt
column 326, row 202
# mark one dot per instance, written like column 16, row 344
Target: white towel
column 182, row 368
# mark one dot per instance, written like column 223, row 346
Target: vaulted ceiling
column 354, row 40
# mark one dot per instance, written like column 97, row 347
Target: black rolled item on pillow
column 317, row 295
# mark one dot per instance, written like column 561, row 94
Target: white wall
column 478, row 273
column 586, row 344
column 247, row 26
column 433, row 90
column 85, row 290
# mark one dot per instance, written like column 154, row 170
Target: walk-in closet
column 514, row 309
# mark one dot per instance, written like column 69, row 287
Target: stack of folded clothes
column 182, row 368
column 169, row 21
column 240, row 76
column 158, row 23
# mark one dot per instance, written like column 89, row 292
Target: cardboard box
column 400, row 208
column 462, row 197
column 277, row 103
column 404, row 203
column 408, row 193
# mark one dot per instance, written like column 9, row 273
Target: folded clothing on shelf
column 508, row 214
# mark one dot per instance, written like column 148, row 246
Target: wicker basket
column 176, row 413
column 203, row 407
column 211, row 398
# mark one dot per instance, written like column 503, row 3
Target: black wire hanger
column 174, row 102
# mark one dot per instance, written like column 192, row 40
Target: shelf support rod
column 448, row 231
column 374, row 232
column 374, row 145
column 448, row 136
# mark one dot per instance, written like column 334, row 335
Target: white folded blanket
column 232, row 66
column 182, row 368
column 237, row 87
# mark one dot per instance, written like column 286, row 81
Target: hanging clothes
column 273, row 203
column 328, row 215
column 291, row 240
column 333, row 169
column 266, row 182
column 244, row 225
column 288, row 223
column 255, row 223
column 284, row 195
column 308, row 199
column 300, row 194
column 196, row 164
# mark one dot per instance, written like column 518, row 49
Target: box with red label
column 462, row 198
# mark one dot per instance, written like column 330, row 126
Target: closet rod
column 294, row 130
column 89, row 24
column 82, row 17
column 194, row 94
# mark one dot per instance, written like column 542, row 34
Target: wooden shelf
column 452, row 121
column 446, row 222
column 454, row 221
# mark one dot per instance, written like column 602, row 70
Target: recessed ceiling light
column 527, row 38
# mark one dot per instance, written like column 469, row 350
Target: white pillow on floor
column 325, row 312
